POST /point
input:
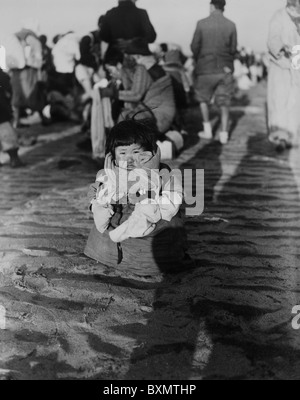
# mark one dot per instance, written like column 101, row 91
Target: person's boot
column 15, row 161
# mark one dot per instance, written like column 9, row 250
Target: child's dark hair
column 128, row 132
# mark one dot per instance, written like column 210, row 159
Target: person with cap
column 284, row 77
column 214, row 47
column 125, row 24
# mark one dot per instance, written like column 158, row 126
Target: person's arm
column 102, row 213
column 275, row 42
column 76, row 49
column 92, row 193
column 197, row 42
column 139, row 87
column 234, row 41
column 149, row 31
column 102, row 216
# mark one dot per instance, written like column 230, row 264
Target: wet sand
column 230, row 317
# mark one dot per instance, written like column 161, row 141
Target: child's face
column 134, row 155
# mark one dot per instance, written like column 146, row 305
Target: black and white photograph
column 149, row 192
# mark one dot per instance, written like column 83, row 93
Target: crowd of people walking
column 110, row 74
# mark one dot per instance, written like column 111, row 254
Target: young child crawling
column 136, row 205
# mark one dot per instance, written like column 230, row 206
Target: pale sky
column 174, row 20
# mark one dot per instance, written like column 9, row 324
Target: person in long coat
column 284, row 77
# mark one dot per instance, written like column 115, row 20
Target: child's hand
column 138, row 197
column 144, row 158
column 148, row 161
column 102, row 216
column 116, row 184
column 92, row 193
column 109, row 164
column 144, row 184
column 111, row 92
column 110, row 169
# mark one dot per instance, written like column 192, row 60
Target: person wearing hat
column 214, row 47
column 284, row 77
column 124, row 24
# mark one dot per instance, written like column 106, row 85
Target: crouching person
column 136, row 202
column 8, row 136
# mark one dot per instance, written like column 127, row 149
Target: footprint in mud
column 32, row 282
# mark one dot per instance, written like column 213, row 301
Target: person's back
column 214, row 48
column 214, row 44
column 124, row 23
column 160, row 98
column 32, row 48
column 65, row 53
